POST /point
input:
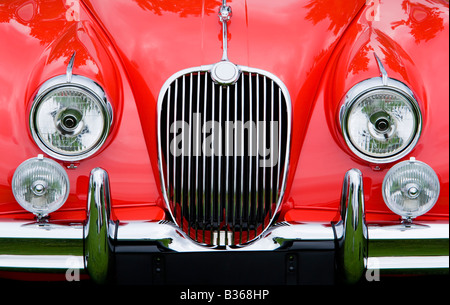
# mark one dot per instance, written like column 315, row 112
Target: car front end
column 224, row 143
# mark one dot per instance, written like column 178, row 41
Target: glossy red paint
column 39, row 49
column 319, row 49
column 405, row 46
column 150, row 58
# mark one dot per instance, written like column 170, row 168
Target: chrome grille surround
column 227, row 206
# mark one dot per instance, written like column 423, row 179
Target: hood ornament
column 225, row 14
column 225, row 72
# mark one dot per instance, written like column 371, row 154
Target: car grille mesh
column 223, row 155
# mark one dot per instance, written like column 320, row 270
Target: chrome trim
column 70, row 68
column 409, row 248
column 251, row 146
column 22, row 230
column 402, row 264
column 182, row 135
column 225, row 14
column 28, row 246
column 367, row 86
column 383, row 73
column 227, row 173
column 419, row 230
column 99, row 229
column 171, row 237
column 351, row 230
column 38, row 246
column 34, row 263
column 206, row 69
column 225, row 73
column 80, row 82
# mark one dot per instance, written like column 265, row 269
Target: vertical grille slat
column 197, row 153
column 280, row 123
column 203, row 223
column 211, row 190
column 241, row 191
column 257, row 183
column 219, row 170
column 233, row 224
column 189, row 176
column 264, row 147
column 271, row 144
column 250, row 154
column 223, row 154
column 174, row 184
column 168, row 103
column 183, row 105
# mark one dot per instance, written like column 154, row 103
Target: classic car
column 224, row 142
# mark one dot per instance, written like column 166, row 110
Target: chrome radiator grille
column 223, row 154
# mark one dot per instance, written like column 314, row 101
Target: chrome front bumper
column 356, row 248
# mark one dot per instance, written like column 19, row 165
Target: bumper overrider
column 287, row 253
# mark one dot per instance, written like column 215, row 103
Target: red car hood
column 155, row 39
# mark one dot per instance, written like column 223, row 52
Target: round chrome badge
column 225, row 73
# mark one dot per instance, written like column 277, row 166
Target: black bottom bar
column 147, row 265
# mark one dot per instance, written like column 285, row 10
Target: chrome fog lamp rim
column 36, row 178
column 365, row 88
column 88, row 87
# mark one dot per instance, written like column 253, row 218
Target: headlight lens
column 381, row 124
column 40, row 185
column 410, row 188
column 70, row 122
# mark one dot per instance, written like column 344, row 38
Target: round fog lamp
column 40, row 185
column 410, row 188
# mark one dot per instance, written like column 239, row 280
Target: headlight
column 381, row 123
column 410, row 188
column 40, row 185
column 70, row 120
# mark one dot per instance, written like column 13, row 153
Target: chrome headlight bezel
column 373, row 85
column 87, row 87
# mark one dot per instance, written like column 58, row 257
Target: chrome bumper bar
column 40, row 247
column 90, row 246
column 421, row 248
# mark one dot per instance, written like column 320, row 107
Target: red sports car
column 240, row 141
